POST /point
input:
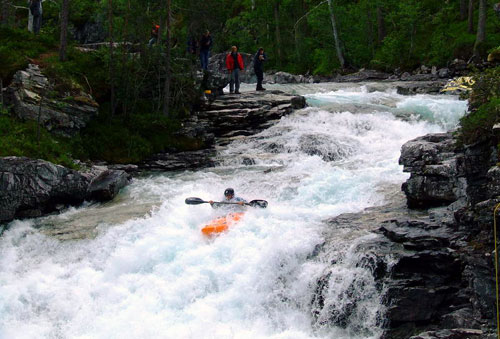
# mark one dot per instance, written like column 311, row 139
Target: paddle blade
column 195, row 201
column 258, row 203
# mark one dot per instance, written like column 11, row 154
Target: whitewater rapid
column 145, row 271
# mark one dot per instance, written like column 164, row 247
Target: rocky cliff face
column 433, row 260
column 444, row 277
column 33, row 98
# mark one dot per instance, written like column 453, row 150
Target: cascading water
column 149, row 273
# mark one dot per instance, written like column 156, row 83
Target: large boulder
column 106, row 185
column 31, row 188
column 60, row 114
column 90, row 32
column 364, row 75
column 437, row 172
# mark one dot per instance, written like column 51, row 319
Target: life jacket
column 230, row 62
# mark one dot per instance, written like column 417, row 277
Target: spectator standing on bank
column 154, row 35
column 35, row 7
column 234, row 64
column 258, row 67
column 205, row 46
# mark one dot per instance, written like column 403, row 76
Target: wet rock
column 179, row 161
column 420, row 87
column 438, row 174
column 413, row 304
column 493, row 179
column 30, row 188
column 444, row 73
column 60, row 114
column 405, row 76
column 457, row 333
column 364, row 75
column 326, row 147
column 106, row 185
column 213, row 81
column 235, row 115
column 129, row 168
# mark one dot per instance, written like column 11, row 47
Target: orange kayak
column 221, row 224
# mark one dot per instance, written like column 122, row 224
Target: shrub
column 484, row 107
column 20, row 139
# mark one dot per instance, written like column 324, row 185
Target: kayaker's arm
column 213, row 204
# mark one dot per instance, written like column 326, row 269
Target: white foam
column 154, row 276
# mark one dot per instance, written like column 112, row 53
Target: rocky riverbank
column 222, row 120
column 434, row 265
column 31, row 188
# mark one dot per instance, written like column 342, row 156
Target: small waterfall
column 144, row 269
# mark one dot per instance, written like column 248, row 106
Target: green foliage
column 478, row 124
column 484, row 106
column 486, row 87
column 118, row 141
column 18, row 47
column 81, row 71
column 20, row 139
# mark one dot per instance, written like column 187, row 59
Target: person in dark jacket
column 205, row 46
column 36, row 10
column 258, row 63
column 234, row 64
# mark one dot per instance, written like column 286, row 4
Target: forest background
column 143, row 99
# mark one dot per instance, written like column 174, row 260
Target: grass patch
column 18, row 47
column 19, row 138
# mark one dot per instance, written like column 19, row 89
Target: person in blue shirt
column 229, row 197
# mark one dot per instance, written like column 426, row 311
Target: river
column 138, row 267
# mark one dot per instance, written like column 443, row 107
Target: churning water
column 147, row 272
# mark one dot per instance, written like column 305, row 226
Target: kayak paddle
column 253, row 203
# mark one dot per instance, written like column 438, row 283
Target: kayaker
column 228, row 197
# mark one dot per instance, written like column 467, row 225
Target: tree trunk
column 30, row 21
column 111, row 60
column 340, row 56
column 5, row 12
column 125, row 39
column 370, row 30
column 1, row 92
column 64, row 30
column 277, row 31
column 166, row 95
column 470, row 26
column 380, row 24
column 481, row 26
column 299, row 32
column 463, row 10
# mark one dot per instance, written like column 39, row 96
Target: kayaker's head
column 229, row 193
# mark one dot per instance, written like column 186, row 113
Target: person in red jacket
column 234, row 64
column 154, row 35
